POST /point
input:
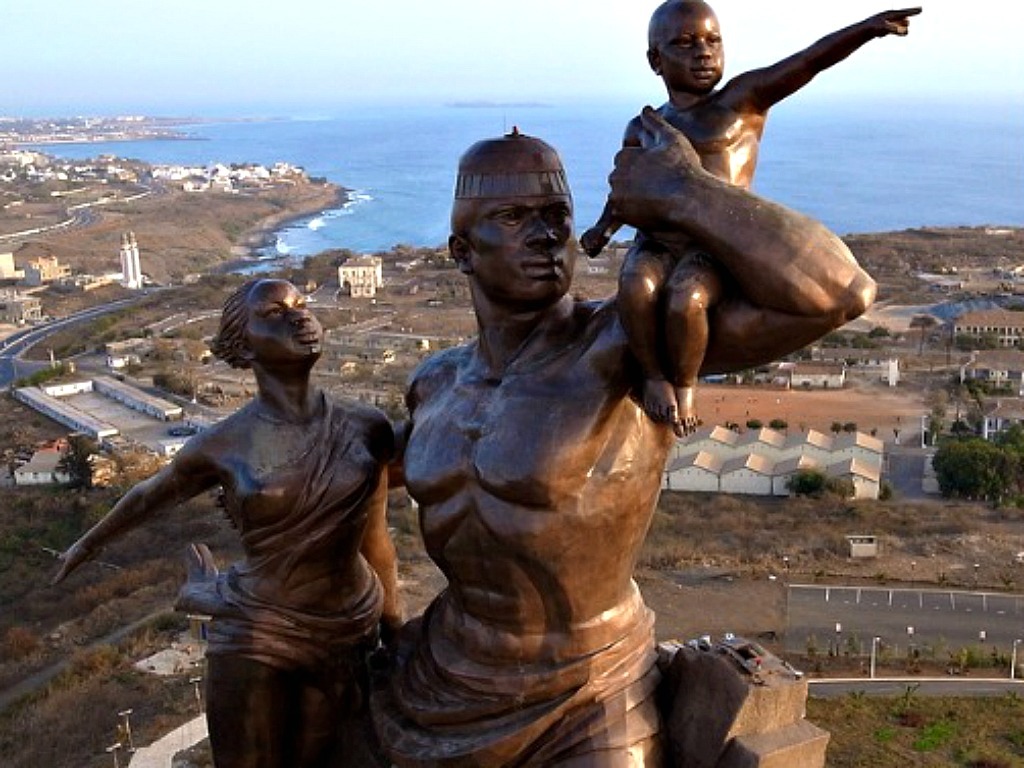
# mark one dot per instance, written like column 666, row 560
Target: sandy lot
column 870, row 406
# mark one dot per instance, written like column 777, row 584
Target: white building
column 1001, row 415
column 42, row 469
column 694, row 472
column 716, row 440
column 750, row 474
column 7, row 269
column 1003, row 368
column 17, row 309
column 131, row 268
column 762, row 461
column 857, row 445
column 825, row 375
column 361, row 276
column 785, row 469
column 865, row 476
column 1006, row 326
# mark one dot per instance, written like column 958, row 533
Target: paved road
column 905, row 470
column 160, row 753
column 13, row 368
column 953, row 618
column 926, row 686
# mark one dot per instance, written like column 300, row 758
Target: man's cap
column 514, row 165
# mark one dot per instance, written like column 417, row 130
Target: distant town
column 80, row 130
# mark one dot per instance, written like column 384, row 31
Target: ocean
column 858, row 166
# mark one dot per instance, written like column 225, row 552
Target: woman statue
column 304, row 481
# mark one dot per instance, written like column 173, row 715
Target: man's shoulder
column 443, row 363
column 438, row 371
column 599, row 321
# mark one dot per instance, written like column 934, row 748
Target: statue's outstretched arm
column 760, row 89
column 185, row 477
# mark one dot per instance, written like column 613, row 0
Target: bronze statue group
column 535, row 452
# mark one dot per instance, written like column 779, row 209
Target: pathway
column 160, row 753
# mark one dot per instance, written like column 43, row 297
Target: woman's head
column 229, row 344
column 267, row 320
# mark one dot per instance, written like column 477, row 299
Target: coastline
column 264, row 233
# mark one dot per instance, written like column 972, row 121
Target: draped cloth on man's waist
column 439, row 708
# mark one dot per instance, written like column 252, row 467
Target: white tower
column 131, row 269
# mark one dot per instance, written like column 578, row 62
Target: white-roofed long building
column 762, row 461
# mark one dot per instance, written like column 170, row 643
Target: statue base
column 733, row 704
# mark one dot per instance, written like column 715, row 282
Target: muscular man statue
column 537, row 470
column 303, row 481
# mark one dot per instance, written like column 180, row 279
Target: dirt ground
column 686, row 604
column 870, row 405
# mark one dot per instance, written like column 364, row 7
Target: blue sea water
column 857, row 166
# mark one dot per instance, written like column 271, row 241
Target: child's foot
column 660, row 401
column 594, row 240
column 686, row 407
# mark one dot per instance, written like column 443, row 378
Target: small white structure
column 863, row 545
column 362, row 276
column 131, row 268
column 892, row 372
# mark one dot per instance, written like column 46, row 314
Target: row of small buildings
column 761, row 462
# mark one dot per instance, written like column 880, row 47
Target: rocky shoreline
column 264, row 234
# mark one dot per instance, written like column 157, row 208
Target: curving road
column 12, row 367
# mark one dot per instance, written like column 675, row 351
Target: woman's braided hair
column 229, row 344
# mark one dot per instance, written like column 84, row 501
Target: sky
column 229, row 57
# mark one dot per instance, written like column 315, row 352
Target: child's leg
column 692, row 289
column 644, row 272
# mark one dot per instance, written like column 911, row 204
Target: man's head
column 684, row 46
column 512, row 220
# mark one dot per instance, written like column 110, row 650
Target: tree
column 836, row 428
column 923, row 323
column 754, row 424
column 778, row 424
column 76, row 461
column 975, row 469
column 807, row 482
